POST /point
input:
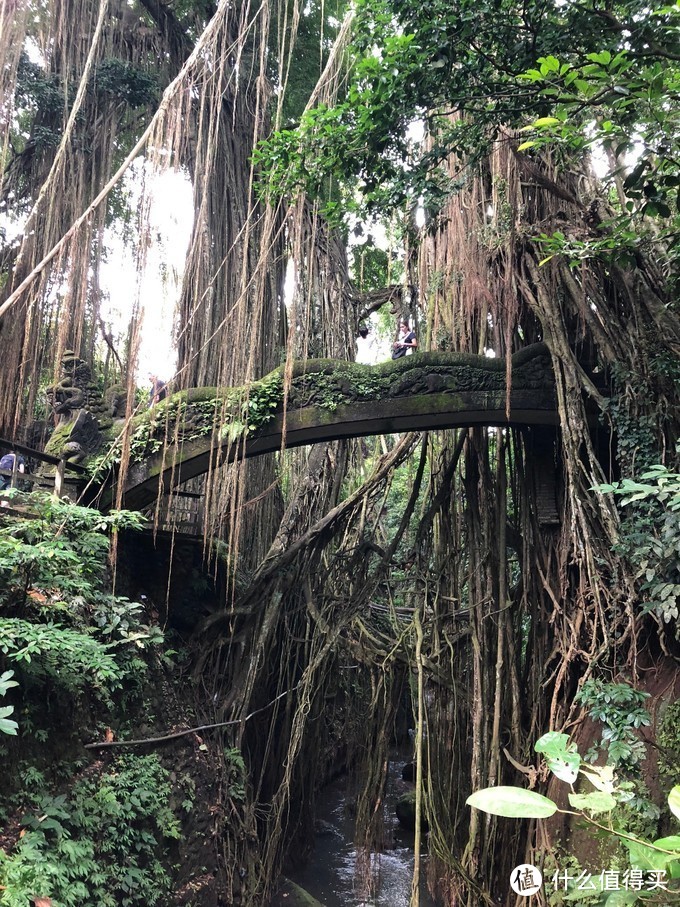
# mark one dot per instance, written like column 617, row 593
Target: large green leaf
column 542, row 122
column 512, row 802
column 595, row 802
column 621, row 899
column 553, row 743
column 561, row 755
column 642, row 856
column 7, row 726
column 671, row 842
column 674, row 801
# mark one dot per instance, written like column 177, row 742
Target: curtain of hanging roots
column 230, row 316
column 282, row 643
column 518, row 605
column 231, row 324
column 514, row 611
column 52, row 175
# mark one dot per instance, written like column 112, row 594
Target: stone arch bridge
column 177, row 440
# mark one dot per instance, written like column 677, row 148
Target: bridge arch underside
column 156, row 475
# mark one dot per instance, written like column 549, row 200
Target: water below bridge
column 330, row 875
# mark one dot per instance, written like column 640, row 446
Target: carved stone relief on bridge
column 326, row 385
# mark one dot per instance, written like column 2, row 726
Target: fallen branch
column 142, row 741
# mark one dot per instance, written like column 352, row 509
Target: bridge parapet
column 181, row 437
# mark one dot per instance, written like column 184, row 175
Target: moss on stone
column 58, row 438
column 325, row 385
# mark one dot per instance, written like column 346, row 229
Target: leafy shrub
column 60, row 620
column 660, row 856
column 59, row 546
column 651, row 537
column 100, row 846
column 620, row 708
column 7, row 726
column 70, row 657
column 125, row 82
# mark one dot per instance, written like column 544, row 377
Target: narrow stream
column 330, row 873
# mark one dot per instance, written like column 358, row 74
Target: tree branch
column 141, row 741
column 376, row 299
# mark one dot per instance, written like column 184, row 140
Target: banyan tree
column 522, row 160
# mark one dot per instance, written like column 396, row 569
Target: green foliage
column 663, row 854
column 251, row 407
column 236, row 774
column 651, row 537
column 615, row 98
column 332, row 389
column 71, row 658
column 120, row 621
column 40, row 95
column 674, row 801
column 262, row 400
column 621, row 709
column 618, row 246
column 637, row 446
column 60, row 621
column 99, row 846
column 190, row 416
column 36, row 89
column 7, row 725
column 512, row 803
column 316, row 30
column 562, row 756
column 668, row 740
column 370, row 265
column 580, row 75
column 125, row 82
column 60, row 546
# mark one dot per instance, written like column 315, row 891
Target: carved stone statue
column 75, row 389
column 76, row 400
column 115, row 400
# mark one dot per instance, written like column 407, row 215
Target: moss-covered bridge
column 195, row 429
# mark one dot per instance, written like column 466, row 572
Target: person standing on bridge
column 406, row 341
column 158, row 390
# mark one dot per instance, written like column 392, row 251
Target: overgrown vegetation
column 651, row 538
column 653, row 864
column 76, row 648
column 105, row 842
column 491, row 566
column 60, row 621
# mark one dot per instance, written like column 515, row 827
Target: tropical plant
column 100, row 845
column 60, row 621
column 652, row 536
column 620, row 708
column 661, row 856
column 495, row 65
column 7, row 725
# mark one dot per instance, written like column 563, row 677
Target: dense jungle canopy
column 501, row 174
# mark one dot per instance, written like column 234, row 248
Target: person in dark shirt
column 7, row 462
column 406, row 341
column 158, row 390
